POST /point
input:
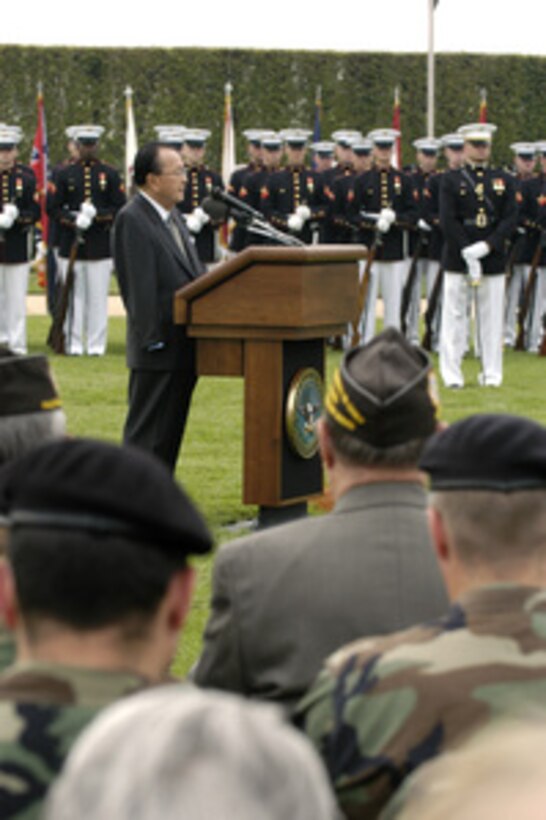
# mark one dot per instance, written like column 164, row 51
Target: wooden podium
column 265, row 315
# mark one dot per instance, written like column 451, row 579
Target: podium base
column 273, row 516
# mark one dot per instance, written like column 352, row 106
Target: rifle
column 365, row 286
column 528, row 295
column 56, row 337
column 409, row 286
column 432, row 307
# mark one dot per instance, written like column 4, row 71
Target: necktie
column 171, row 224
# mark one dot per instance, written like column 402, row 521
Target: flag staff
column 430, row 68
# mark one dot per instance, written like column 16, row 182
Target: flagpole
column 430, row 70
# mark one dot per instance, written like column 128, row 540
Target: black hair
column 147, row 161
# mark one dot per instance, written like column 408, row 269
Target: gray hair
column 360, row 453
column 175, row 751
column 21, row 433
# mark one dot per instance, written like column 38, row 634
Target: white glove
column 388, row 214
column 383, row 225
column 5, row 222
column 11, row 211
column 201, row 215
column 88, row 209
column 193, row 223
column 474, row 271
column 304, row 212
column 475, row 251
column 423, row 226
column 82, row 221
column 295, row 223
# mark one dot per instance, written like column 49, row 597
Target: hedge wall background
column 273, row 89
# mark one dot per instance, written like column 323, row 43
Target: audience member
column 384, row 706
column 177, row 752
column 285, row 598
column 30, row 414
column 96, row 589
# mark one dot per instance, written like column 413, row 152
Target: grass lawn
column 94, row 395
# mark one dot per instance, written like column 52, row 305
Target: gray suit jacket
column 150, row 268
column 284, row 599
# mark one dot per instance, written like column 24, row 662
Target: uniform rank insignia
column 103, row 181
column 542, row 200
column 499, row 185
column 351, row 195
column 19, row 186
column 397, row 185
column 310, row 184
column 208, row 183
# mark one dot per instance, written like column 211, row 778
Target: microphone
column 233, row 203
column 217, row 211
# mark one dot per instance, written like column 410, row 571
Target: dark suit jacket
column 150, row 268
column 286, row 598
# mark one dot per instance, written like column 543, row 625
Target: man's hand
column 475, row 251
column 295, row 223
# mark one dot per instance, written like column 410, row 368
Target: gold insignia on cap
column 346, row 415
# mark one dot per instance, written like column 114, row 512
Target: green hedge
column 273, row 89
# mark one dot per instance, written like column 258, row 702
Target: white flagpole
column 131, row 146
column 430, row 70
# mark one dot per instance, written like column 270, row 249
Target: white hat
column 344, row 137
column 196, row 137
column 454, row 141
column 271, row 141
column 324, row 147
column 297, row 137
column 540, row 147
column 257, row 134
column 482, row 131
column 170, row 134
column 361, row 145
column 524, row 149
column 86, row 133
column 10, row 135
column 427, row 144
column 384, row 136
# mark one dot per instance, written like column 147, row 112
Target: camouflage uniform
column 43, row 708
column 382, row 707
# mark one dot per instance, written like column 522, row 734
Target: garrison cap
column 453, row 141
column 478, row 131
column 196, row 137
column 10, row 136
column 26, row 385
column 487, row 451
column 92, row 486
column 525, row 150
column 86, row 134
column 344, row 137
column 382, row 392
column 384, row 137
column 427, row 145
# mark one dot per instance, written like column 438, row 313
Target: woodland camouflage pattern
column 381, row 707
column 43, row 708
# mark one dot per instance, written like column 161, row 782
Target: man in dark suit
column 284, row 599
column 154, row 257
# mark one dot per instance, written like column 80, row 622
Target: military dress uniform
column 94, row 189
column 375, row 191
column 288, row 190
column 533, row 220
column 478, row 211
column 237, row 187
column 19, row 210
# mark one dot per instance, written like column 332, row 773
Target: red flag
column 397, row 153
column 483, row 105
column 39, row 164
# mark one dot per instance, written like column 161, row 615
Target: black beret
column 26, row 384
column 487, row 452
column 98, row 487
column 382, row 392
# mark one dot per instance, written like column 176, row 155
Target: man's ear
column 327, row 452
column 438, row 534
column 9, row 609
column 179, row 596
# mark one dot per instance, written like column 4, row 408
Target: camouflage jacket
column 43, row 708
column 382, row 707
